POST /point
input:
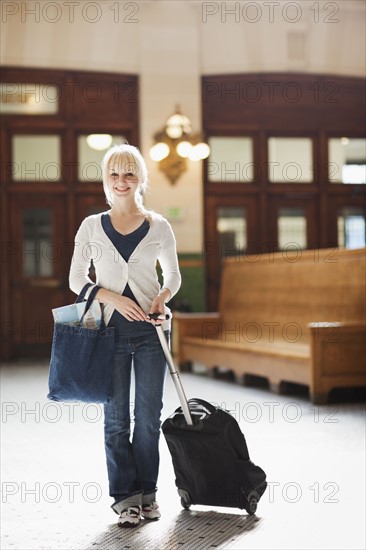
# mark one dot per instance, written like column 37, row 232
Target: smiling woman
column 124, row 223
column 121, row 182
column 122, row 165
column 131, row 240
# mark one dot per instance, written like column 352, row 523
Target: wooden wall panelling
column 88, row 102
column 273, row 104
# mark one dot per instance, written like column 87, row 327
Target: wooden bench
column 296, row 316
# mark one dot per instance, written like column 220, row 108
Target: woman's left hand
column 158, row 306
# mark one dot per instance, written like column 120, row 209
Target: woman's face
column 122, row 180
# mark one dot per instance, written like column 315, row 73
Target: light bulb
column 184, row 148
column 175, row 120
column 177, row 124
column 99, row 142
column 174, row 132
column 195, row 153
column 179, row 120
column 159, row 151
column 203, row 150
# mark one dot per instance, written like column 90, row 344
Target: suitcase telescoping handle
column 172, row 368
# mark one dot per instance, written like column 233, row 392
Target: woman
column 124, row 245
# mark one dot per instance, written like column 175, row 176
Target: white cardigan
column 113, row 272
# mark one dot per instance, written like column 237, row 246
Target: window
column 230, row 160
column 351, row 228
column 232, row 230
column 37, row 242
column 290, row 160
column 36, row 158
column 28, row 99
column 347, row 160
column 91, row 150
column 292, row 228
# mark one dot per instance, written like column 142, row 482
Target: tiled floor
column 54, row 483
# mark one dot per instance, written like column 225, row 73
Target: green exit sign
column 174, row 213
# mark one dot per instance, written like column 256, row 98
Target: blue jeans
column 133, row 463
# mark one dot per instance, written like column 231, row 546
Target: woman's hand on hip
column 129, row 309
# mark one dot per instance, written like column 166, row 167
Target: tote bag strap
column 81, row 296
column 89, row 303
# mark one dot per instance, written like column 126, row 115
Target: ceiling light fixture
column 175, row 145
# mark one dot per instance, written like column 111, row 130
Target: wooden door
column 293, row 223
column 232, row 228
column 38, row 271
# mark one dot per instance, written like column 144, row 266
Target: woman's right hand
column 129, row 309
column 125, row 306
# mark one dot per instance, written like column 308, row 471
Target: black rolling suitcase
column 209, row 453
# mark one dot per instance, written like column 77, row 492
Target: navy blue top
column 125, row 245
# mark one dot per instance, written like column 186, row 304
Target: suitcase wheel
column 185, row 499
column 185, row 503
column 251, row 508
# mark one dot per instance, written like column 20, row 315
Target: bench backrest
column 291, row 289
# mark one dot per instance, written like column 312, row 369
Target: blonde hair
column 130, row 159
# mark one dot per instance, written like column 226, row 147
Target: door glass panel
column 232, row 230
column 290, row 160
column 91, row 150
column 28, row 99
column 231, row 159
column 291, row 228
column 347, row 160
column 38, row 250
column 351, row 228
column 36, row 158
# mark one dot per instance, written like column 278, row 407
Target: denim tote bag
column 81, row 364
